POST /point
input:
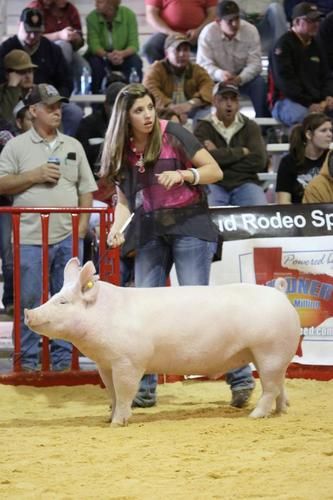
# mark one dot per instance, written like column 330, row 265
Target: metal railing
column 109, row 270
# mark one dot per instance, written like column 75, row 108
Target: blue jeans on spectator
column 31, row 292
column 289, row 112
column 6, row 256
column 272, row 26
column 192, row 258
column 99, row 66
column 72, row 115
column 247, row 194
column 256, row 90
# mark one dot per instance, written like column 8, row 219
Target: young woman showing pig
column 158, row 167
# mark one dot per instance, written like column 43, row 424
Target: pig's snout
column 32, row 318
column 28, row 317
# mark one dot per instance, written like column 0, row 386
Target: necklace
column 140, row 162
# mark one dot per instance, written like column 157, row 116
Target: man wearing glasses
column 300, row 80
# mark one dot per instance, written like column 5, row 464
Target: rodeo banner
column 291, row 241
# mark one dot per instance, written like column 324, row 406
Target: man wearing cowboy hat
column 19, row 80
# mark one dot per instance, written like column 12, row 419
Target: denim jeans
column 72, row 115
column 31, row 292
column 98, row 69
column 6, row 256
column 256, row 90
column 289, row 112
column 247, row 194
column 192, row 258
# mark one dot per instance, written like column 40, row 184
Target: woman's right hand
column 115, row 239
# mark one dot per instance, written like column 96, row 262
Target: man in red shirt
column 168, row 17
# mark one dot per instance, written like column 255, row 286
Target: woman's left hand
column 169, row 178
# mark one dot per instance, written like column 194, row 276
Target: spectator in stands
column 113, row 41
column 325, row 38
column 180, row 16
column 236, row 143
column 149, row 160
column 51, row 66
column 271, row 22
column 6, row 251
column 309, row 145
column 19, row 72
column 92, row 128
column 22, row 117
column 324, row 6
column 229, row 49
column 34, row 181
column 320, row 188
column 300, row 81
column 62, row 25
column 177, row 83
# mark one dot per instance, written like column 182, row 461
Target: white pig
column 204, row 330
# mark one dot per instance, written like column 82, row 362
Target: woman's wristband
column 195, row 173
column 196, row 176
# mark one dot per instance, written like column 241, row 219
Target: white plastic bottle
column 134, row 77
column 85, row 81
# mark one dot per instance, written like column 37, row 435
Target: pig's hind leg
column 272, row 382
column 282, row 402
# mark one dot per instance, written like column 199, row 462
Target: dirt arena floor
column 55, row 444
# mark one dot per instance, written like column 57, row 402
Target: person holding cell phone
column 159, row 168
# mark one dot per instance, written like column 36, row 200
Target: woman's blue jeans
column 192, row 258
column 31, row 292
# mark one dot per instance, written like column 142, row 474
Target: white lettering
column 317, row 218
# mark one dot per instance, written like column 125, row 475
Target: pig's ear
column 88, row 282
column 72, row 270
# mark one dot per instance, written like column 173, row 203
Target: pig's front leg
column 126, row 380
column 106, row 376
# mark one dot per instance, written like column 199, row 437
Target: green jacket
column 124, row 32
column 9, row 97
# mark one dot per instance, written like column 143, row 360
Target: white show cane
column 127, row 223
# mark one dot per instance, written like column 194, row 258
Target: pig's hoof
column 124, row 423
column 258, row 413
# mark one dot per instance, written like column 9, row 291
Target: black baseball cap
column 306, row 9
column 225, row 88
column 32, row 20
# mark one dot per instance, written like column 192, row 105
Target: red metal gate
column 109, row 270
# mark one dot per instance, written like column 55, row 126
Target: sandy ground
column 55, row 444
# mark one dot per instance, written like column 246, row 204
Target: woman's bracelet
column 196, row 176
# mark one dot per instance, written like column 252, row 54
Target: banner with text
column 291, row 241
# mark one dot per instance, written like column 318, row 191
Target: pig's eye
column 63, row 301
